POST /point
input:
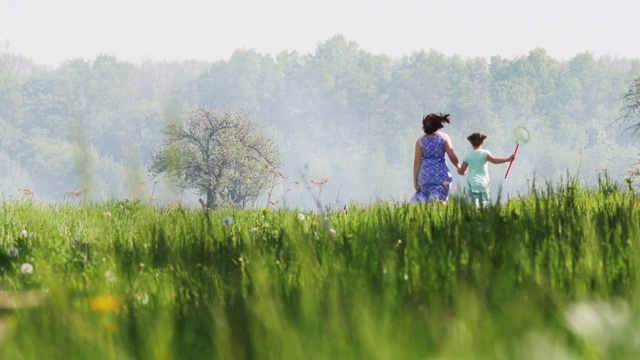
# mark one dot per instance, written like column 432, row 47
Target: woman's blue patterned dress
column 434, row 177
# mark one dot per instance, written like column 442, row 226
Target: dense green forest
column 340, row 113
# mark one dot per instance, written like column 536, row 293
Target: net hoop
column 521, row 135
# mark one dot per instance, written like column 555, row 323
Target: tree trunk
column 209, row 198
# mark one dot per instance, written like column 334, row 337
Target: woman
column 431, row 176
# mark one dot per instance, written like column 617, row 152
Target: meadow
column 552, row 274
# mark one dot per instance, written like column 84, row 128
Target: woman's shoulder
column 444, row 136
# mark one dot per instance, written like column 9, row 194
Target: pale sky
column 50, row 31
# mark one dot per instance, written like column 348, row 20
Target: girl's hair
column 434, row 122
column 477, row 138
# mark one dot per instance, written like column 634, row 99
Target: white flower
column 253, row 230
column 26, row 268
column 24, row 233
column 332, row 231
column 227, row 221
column 110, row 276
column 142, row 298
column 13, row 251
column 597, row 319
column 406, row 277
column 301, row 216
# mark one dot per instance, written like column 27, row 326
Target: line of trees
column 340, row 113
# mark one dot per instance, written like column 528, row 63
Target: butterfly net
column 521, row 135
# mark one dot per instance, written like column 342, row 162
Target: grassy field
column 551, row 275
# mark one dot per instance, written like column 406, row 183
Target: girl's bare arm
column 462, row 168
column 495, row 160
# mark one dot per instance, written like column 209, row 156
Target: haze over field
column 51, row 31
column 85, row 86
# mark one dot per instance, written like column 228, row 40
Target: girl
column 476, row 162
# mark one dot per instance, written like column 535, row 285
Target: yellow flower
column 105, row 303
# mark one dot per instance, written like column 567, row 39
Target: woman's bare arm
column 417, row 160
column 448, row 146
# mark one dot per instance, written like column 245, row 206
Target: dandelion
column 26, row 268
column 24, row 233
column 265, row 211
column 105, row 303
column 301, row 217
column 13, row 251
column 406, row 277
column 227, row 221
column 110, row 276
column 253, row 230
column 332, row 231
column 106, row 214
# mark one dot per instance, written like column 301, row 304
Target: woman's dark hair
column 434, row 122
column 477, row 138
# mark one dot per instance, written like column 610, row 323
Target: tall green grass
column 553, row 274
